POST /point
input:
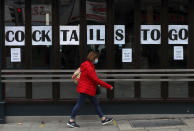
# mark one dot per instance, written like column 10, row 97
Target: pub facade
column 146, row 53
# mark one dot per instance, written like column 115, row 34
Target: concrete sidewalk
column 92, row 123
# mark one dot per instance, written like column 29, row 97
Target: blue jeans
column 81, row 101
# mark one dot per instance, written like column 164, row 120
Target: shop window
column 150, row 15
column 14, row 53
column 96, row 14
column 69, row 19
column 124, row 16
column 14, row 19
column 96, row 19
column 69, row 15
column 41, row 20
column 41, row 11
column 178, row 15
column 149, row 57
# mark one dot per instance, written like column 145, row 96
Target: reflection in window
column 96, row 11
column 178, row 12
column 150, row 11
column 41, row 12
column 14, row 12
column 69, row 12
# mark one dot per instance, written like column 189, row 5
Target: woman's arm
column 92, row 75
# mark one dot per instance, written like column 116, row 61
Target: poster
column 69, row 35
column 178, row 34
column 95, row 34
column 14, row 36
column 178, row 53
column 127, row 55
column 15, row 55
column 150, row 34
column 41, row 35
column 119, row 34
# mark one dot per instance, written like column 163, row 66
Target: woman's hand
column 112, row 88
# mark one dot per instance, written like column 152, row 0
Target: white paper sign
column 14, row 36
column 178, row 53
column 150, row 34
column 95, row 34
column 127, row 55
column 15, row 55
column 41, row 35
column 119, row 34
column 178, row 34
column 69, row 35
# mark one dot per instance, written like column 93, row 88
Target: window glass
column 124, row 15
column 150, row 15
column 14, row 17
column 178, row 15
column 96, row 14
column 69, row 15
column 149, row 57
column 41, row 44
column 41, row 21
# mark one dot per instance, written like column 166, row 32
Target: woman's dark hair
column 92, row 56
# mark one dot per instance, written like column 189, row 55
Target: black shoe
column 72, row 124
column 107, row 120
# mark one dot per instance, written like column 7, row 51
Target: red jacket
column 89, row 80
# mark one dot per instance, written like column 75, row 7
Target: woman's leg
column 105, row 120
column 79, row 103
column 95, row 101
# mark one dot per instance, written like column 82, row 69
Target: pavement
column 143, row 122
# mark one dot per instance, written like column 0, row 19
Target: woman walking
column 87, row 84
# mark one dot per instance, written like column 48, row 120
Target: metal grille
column 156, row 123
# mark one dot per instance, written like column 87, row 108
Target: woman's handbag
column 98, row 91
column 76, row 75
